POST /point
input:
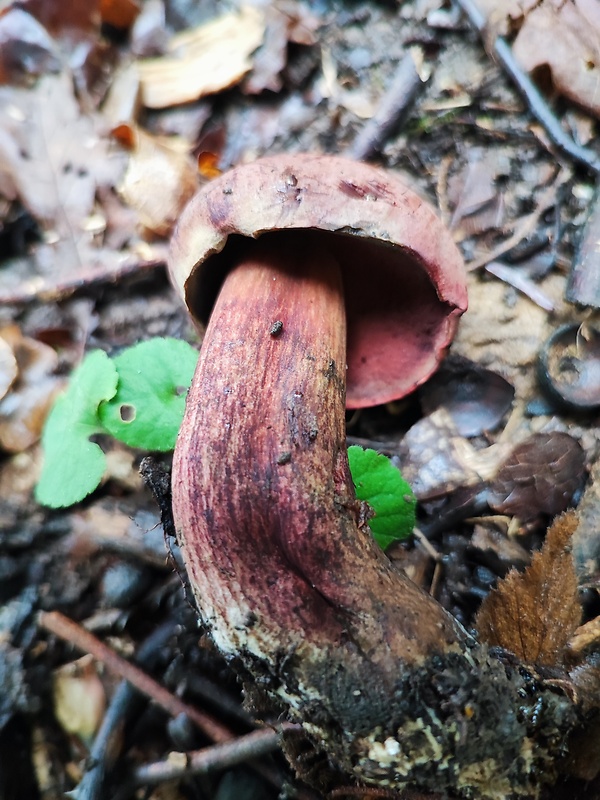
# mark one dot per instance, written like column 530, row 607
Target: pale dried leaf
column 8, row 367
column 534, row 614
column 357, row 101
column 585, row 638
column 159, row 180
column 25, row 406
column 55, row 271
column 202, row 61
column 79, row 698
column 475, row 194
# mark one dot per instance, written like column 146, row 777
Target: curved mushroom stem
column 284, row 576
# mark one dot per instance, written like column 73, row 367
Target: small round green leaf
column 147, row 409
column 73, row 466
column 380, row 484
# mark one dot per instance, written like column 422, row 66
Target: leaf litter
column 311, row 91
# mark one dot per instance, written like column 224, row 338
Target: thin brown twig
column 220, row 756
column 106, row 748
column 393, row 105
column 441, row 189
column 75, row 634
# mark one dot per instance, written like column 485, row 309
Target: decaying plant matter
column 288, row 581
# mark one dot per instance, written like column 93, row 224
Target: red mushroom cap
column 404, row 278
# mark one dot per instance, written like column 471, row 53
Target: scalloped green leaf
column 73, row 466
column 380, row 484
column 147, row 409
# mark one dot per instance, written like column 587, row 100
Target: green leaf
column 73, row 466
column 380, row 484
column 147, row 409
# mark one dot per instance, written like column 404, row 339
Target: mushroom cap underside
column 404, row 279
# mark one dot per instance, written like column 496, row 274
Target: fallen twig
column 522, row 283
column 395, row 102
column 83, row 640
column 221, row 756
column 584, row 279
column 107, row 744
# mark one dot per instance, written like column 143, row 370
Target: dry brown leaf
column 286, row 21
column 436, row 460
column 564, row 40
column 64, row 19
column 560, row 36
column 540, row 476
column 202, row 61
column 58, row 161
column 475, row 193
column 534, row 614
column 475, row 397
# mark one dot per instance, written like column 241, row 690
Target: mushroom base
column 462, row 723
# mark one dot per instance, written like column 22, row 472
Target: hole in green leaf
column 127, row 412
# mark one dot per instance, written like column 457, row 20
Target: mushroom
column 288, row 581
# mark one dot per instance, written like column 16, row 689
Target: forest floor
column 100, row 147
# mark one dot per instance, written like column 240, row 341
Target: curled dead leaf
column 79, row 698
column 475, row 397
column 160, row 177
column 204, row 60
column 541, row 476
column 559, row 39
